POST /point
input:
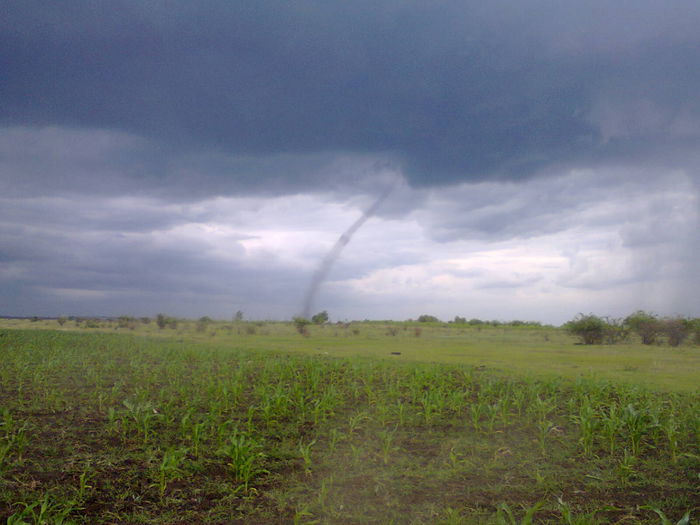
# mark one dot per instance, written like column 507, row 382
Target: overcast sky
column 199, row 158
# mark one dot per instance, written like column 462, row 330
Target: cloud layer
column 451, row 91
column 199, row 160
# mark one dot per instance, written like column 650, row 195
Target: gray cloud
column 452, row 92
column 93, row 271
column 496, row 121
column 646, row 205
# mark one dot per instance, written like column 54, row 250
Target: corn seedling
column 8, row 423
column 356, row 453
column 223, row 431
column 355, row 421
column 569, row 517
column 334, row 437
column 671, row 431
column 541, row 408
column 170, row 468
column 625, row 467
column 504, row 406
column 386, row 438
column 244, row 458
column 637, row 423
column 250, row 415
column 476, row 411
column 610, row 426
column 400, row 409
column 505, row 516
column 544, row 428
column 305, row 451
column 83, row 486
column 587, row 426
column 19, row 441
column 142, row 414
column 302, row 515
column 42, row 511
column 4, row 454
column 196, row 436
column 685, row 520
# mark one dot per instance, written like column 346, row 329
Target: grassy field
column 366, row 423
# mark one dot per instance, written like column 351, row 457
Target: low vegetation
column 225, row 425
column 649, row 329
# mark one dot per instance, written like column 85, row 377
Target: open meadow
column 252, row 422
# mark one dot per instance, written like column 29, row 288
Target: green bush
column 591, row 329
column 320, row 318
column 644, row 324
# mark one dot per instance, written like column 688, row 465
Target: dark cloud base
column 452, row 92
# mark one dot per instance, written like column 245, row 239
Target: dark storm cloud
column 451, row 91
column 123, row 125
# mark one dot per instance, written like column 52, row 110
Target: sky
column 539, row 159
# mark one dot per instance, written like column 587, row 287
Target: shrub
column 695, row 329
column 202, row 323
column 428, row 319
column 644, row 324
column 301, row 323
column 320, row 318
column 676, row 330
column 615, row 331
column 126, row 321
column 589, row 328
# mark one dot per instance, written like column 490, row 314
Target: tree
column 238, row 317
column 615, row 331
column 676, row 330
column 320, row 318
column 644, row 324
column 161, row 321
column 589, row 328
column 428, row 319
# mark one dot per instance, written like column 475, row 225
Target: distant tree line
column 425, row 318
column 649, row 328
column 494, row 322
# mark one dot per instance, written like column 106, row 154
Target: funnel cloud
column 321, row 272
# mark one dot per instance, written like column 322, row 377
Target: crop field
column 362, row 423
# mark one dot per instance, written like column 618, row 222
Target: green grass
column 464, row 426
column 542, row 352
